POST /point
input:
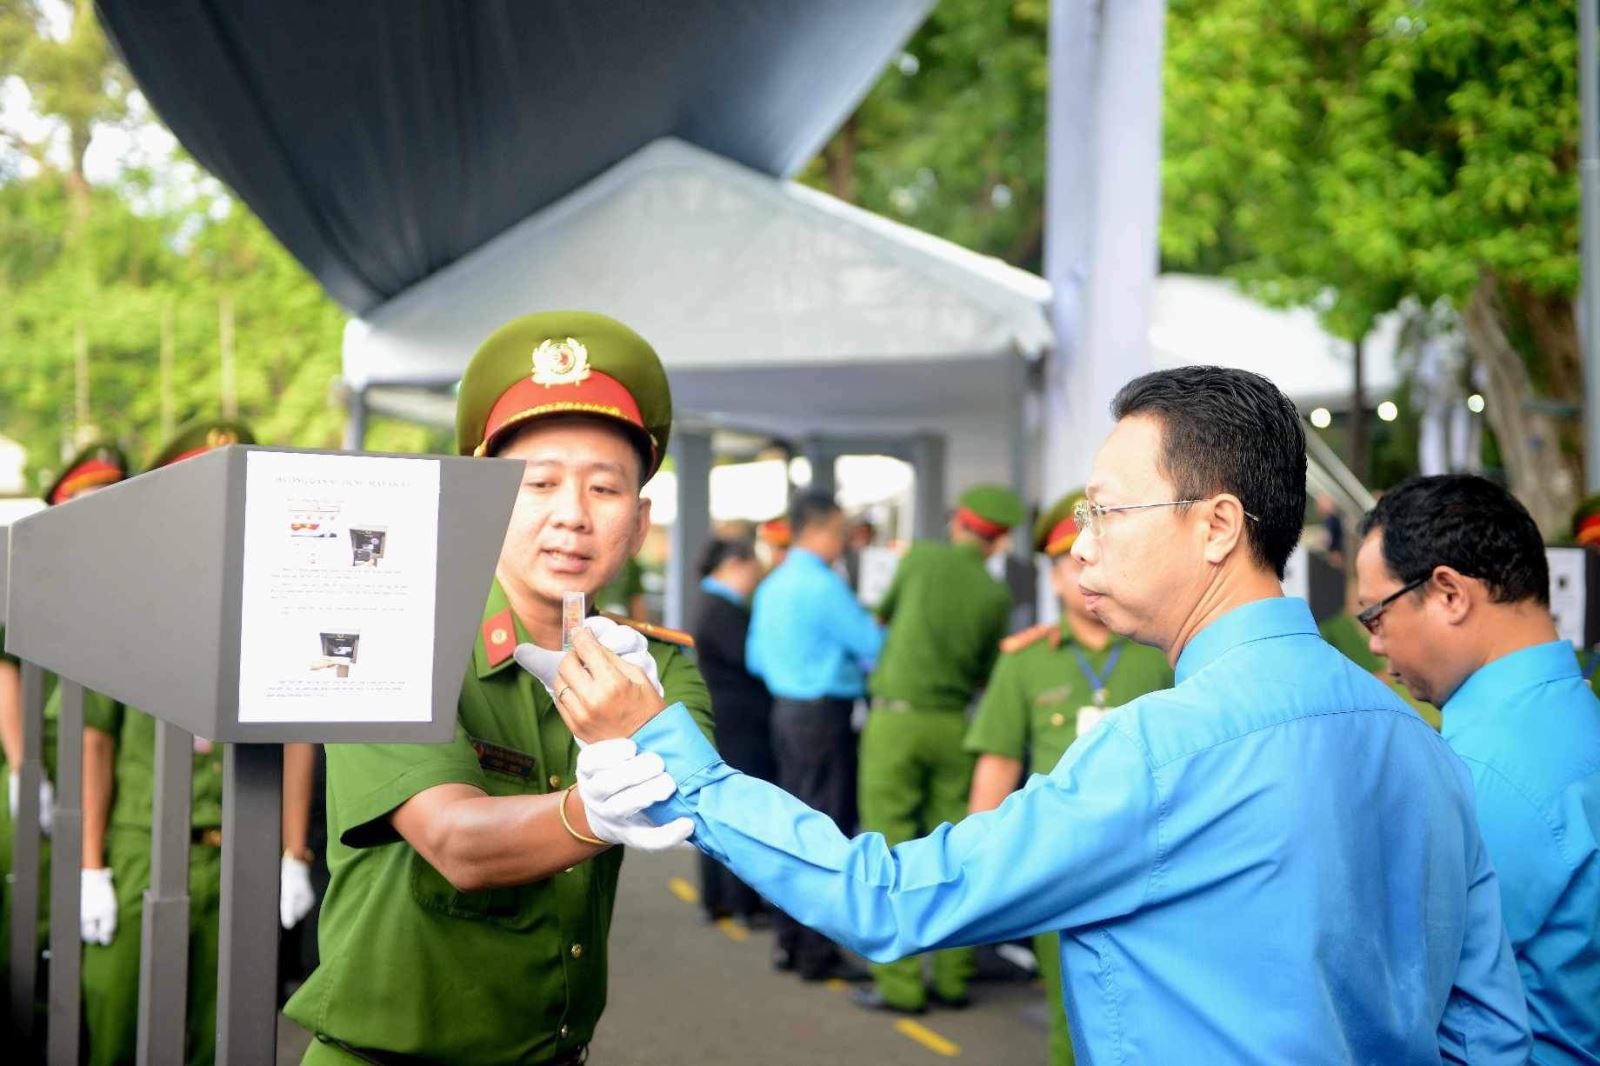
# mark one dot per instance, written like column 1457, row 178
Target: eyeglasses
column 1374, row 614
column 1091, row 516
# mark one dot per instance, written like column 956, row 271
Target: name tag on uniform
column 1089, row 717
column 502, row 760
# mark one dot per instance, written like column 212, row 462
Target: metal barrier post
column 164, row 946
column 247, row 962
column 24, row 887
column 66, row 859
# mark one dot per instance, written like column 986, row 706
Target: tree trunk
column 1543, row 475
column 1356, row 444
column 841, row 159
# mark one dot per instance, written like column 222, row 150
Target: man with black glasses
column 1273, row 861
column 1456, row 588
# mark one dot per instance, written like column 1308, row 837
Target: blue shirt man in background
column 1274, row 861
column 814, row 646
column 1453, row 574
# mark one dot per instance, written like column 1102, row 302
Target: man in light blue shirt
column 1453, row 575
column 814, row 646
column 1275, row 861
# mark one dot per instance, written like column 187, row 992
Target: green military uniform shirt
column 1033, row 704
column 946, row 616
column 411, row 966
column 135, row 767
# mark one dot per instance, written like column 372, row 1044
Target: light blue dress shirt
column 1528, row 728
column 809, row 639
column 1275, row 861
column 723, row 590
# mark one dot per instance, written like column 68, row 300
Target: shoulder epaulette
column 653, row 631
column 1030, row 636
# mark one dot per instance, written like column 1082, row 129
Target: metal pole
column 24, row 886
column 691, row 451
column 247, row 960
column 66, row 859
column 1589, row 176
column 164, row 948
column 355, row 427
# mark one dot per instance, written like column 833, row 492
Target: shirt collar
column 808, row 557
column 723, row 590
column 1277, row 616
column 1493, row 686
column 497, row 604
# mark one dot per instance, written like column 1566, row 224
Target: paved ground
column 684, row 993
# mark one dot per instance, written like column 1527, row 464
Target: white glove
column 295, row 894
column 627, row 643
column 97, row 906
column 47, row 799
column 616, row 783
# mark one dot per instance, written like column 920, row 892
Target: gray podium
column 137, row 592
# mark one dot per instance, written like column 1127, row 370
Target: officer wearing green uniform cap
column 470, row 902
column 118, row 788
column 97, row 464
column 1052, row 684
column 946, row 616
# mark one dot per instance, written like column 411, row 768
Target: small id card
column 1089, row 717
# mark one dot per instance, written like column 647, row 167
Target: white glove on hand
column 97, row 906
column 627, row 643
column 616, row 783
column 295, row 894
column 47, row 799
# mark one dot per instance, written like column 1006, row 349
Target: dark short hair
column 811, row 509
column 719, row 550
column 1465, row 522
column 1231, row 431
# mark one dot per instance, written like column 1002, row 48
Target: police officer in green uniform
column 1586, row 534
column 1053, row 683
column 98, row 464
column 118, row 788
column 471, row 899
column 946, row 616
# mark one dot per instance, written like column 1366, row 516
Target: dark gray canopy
column 380, row 142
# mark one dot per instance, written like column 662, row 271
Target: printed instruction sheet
column 340, row 565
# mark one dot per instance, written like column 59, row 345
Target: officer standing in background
column 119, row 745
column 946, row 615
column 471, row 898
column 776, row 535
column 814, row 645
column 1052, row 684
column 94, row 466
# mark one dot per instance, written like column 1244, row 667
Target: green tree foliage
column 102, row 259
column 1353, row 153
column 951, row 139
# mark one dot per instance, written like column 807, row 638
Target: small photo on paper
column 366, row 545
column 312, row 520
column 338, row 653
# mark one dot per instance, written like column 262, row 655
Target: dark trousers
column 815, row 750
column 745, row 743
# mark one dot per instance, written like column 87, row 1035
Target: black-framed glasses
column 1374, row 614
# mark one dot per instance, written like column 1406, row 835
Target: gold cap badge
column 563, row 363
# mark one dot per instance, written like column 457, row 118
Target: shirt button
column 555, row 780
column 1058, row 719
column 577, row 951
column 563, row 1032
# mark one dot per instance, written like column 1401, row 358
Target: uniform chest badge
column 560, row 363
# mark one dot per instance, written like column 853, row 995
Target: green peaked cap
column 564, row 363
column 201, row 435
column 995, row 508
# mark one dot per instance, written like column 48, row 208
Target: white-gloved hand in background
column 296, row 897
column 616, row 783
column 47, row 800
column 97, row 906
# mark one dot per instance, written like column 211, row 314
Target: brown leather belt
column 575, row 1057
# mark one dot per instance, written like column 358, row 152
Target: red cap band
column 981, row 526
column 1062, row 536
column 1589, row 530
column 597, row 394
column 88, row 474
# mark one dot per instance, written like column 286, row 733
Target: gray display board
column 136, row 591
